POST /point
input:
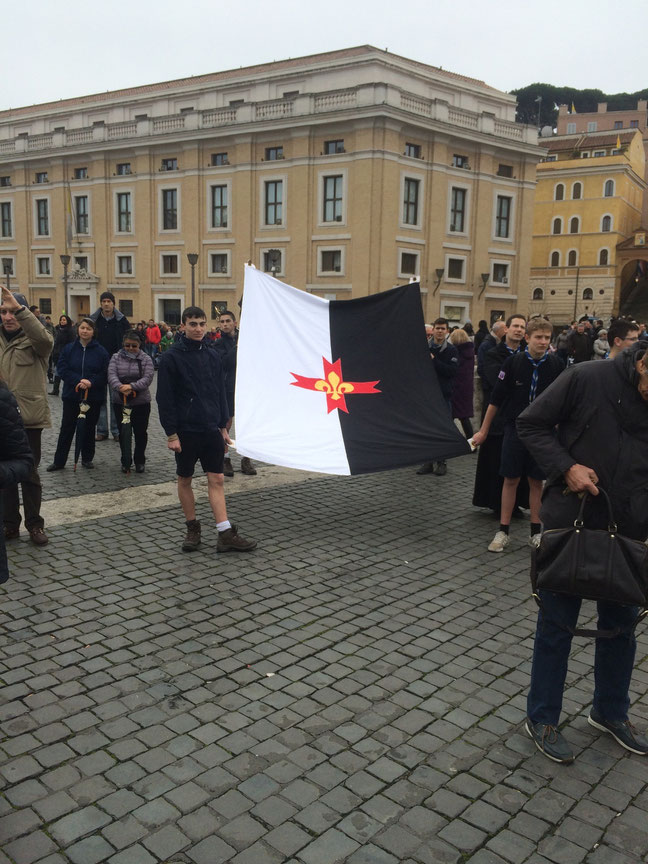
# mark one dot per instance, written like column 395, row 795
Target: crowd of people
column 105, row 368
column 546, row 436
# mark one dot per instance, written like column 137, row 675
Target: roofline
column 243, row 71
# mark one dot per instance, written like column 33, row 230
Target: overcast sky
column 53, row 49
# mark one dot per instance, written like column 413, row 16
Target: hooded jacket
column 136, row 370
column 23, row 367
column 602, row 424
column 191, row 388
column 77, row 362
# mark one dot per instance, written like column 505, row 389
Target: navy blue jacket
column 77, row 362
column 191, row 388
column 446, row 364
column 226, row 347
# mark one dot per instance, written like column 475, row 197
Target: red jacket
column 153, row 335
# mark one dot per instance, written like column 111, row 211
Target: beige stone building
column 344, row 173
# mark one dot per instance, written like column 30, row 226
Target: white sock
column 223, row 526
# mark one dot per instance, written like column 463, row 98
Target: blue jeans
column 613, row 660
column 102, row 422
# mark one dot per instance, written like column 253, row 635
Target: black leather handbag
column 593, row 564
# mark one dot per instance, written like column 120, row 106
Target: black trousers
column 31, row 492
column 139, row 421
column 68, row 427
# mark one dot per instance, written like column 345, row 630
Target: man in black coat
column 227, row 347
column 601, row 412
column 445, row 358
column 112, row 325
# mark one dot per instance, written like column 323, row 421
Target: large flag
column 338, row 386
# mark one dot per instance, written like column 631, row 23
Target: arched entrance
column 633, row 299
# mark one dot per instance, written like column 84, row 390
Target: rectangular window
column 273, row 202
column 125, row 265
column 6, row 222
column 217, row 306
column 458, row 209
column 503, row 216
column 272, row 261
column 81, row 214
column 45, row 305
column 332, row 199
column 218, row 263
column 336, row 146
column 81, row 262
column 80, row 173
column 592, row 126
column 123, row 168
column 331, row 261
column 455, row 268
column 409, row 263
column 550, row 159
column 413, row 150
column 618, row 124
column 585, row 155
column 634, row 124
column 169, row 165
column 219, row 159
column 5, row 181
column 41, row 176
column 505, row 171
column 124, row 222
column 459, row 161
column 170, row 264
column 170, row 209
column 219, row 206
column 42, row 217
column 8, row 266
column 43, row 266
column 598, row 153
column 126, row 307
column 411, row 201
column 272, row 153
column 571, row 128
column 500, row 273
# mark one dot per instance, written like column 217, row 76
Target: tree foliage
column 583, row 100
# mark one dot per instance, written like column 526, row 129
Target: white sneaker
column 499, row 542
column 534, row 540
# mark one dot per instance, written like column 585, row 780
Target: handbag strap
column 579, row 521
column 585, row 631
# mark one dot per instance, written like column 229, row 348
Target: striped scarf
column 536, row 369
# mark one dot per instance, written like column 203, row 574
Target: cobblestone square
column 353, row 690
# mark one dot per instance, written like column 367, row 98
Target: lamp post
column 484, row 279
column 7, row 273
column 192, row 258
column 65, row 260
column 439, row 274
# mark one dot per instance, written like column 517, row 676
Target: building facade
column 589, row 200
column 343, row 173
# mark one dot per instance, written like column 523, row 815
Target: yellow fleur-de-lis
column 334, row 386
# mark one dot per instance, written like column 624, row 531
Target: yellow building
column 589, row 199
column 345, row 173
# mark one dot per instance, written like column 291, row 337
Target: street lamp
column 484, row 279
column 65, row 260
column 439, row 274
column 192, row 258
column 7, row 273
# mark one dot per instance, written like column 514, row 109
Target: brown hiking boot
column 231, row 541
column 192, row 540
column 228, row 471
column 38, row 537
column 247, row 467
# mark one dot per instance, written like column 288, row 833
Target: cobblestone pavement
column 352, row 691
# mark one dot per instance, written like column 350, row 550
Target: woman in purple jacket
column 462, row 387
column 130, row 373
